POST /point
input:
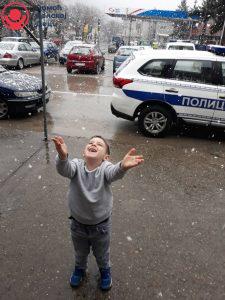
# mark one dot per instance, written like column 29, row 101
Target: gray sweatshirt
column 90, row 196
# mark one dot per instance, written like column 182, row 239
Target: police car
column 160, row 86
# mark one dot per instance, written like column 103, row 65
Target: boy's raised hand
column 131, row 160
column 60, row 147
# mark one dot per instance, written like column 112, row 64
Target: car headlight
column 26, row 94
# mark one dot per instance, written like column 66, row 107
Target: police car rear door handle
column 172, row 91
column 222, row 97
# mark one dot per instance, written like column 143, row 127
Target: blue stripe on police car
column 177, row 100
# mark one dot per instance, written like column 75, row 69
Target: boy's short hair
column 104, row 140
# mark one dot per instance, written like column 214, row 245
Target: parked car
column 170, row 85
column 50, row 50
column 16, row 39
column 180, row 46
column 216, row 49
column 20, row 93
column 18, row 54
column 112, row 48
column 86, row 57
column 122, row 54
column 66, row 49
column 35, row 46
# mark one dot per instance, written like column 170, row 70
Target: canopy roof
column 149, row 14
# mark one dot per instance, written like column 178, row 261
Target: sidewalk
column 168, row 222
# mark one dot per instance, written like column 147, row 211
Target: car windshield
column 126, row 51
column 68, row 46
column 81, row 50
column 6, row 46
column 176, row 47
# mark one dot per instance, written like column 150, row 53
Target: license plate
column 80, row 64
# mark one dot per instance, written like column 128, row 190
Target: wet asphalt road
column 168, row 218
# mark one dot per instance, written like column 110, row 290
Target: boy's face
column 96, row 149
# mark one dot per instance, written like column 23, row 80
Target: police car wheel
column 154, row 121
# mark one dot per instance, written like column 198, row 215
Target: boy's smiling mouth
column 92, row 149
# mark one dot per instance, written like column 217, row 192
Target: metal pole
column 222, row 33
column 129, row 37
column 42, row 74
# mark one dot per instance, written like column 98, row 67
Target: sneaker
column 106, row 279
column 77, row 277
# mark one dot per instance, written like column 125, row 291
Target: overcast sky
column 145, row 4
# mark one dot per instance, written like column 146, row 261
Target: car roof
column 85, row 45
column 74, row 42
column 15, row 37
column 177, row 54
column 12, row 42
column 180, row 44
column 219, row 46
column 129, row 47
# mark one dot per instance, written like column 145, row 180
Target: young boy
column 91, row 201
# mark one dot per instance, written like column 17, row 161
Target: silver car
column 66, row 49
column 18, row 54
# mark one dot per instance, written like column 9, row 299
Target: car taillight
column 7, row 55
column 120, row 82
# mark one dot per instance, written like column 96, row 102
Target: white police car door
column 191, row 91
column 219, row 113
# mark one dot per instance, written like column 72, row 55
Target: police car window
column 193, row 70
column 156, row 68
column 223, row 72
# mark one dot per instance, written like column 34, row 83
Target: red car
column 85, row 57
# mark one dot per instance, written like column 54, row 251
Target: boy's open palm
column 60, row 147
column 131, row 160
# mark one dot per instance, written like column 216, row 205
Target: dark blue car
column 122, row 54
column 20, row 93
column 50, row 49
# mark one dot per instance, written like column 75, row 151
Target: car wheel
column 154, row 121
column 4, row 110
column 20, row 64
column 69, row 70
column 97, row 69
